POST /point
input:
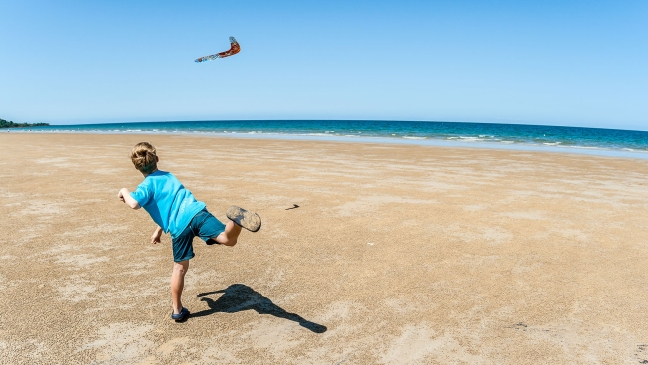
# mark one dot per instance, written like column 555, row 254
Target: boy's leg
column 230, row 235
column 177, row 284
column 212, row 230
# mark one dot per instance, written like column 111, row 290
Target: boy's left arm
column 125, row 197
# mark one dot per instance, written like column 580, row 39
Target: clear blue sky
column 581, row 63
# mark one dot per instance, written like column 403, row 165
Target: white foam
column 587, row 147
column 634, row 150
column 407, row 137
column 471, row 139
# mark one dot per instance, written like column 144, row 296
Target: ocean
column 610, row 142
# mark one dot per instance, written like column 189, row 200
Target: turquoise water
column 508, row 136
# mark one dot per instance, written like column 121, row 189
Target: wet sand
column 395, row 255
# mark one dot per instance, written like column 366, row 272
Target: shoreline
column 513, row 147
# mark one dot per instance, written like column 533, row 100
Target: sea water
column 612, row 142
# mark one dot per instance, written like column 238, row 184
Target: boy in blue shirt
column 174, row 209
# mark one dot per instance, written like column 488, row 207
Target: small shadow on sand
column 239, row 297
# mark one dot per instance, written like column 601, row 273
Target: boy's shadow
column 239, row 297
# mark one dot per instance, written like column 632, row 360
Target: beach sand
column 396, row 255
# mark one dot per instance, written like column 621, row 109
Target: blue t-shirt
column 170, row 205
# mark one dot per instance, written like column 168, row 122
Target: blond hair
column 144, row 157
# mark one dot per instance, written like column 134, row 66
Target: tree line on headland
column 10, row 124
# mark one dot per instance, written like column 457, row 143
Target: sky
column 576, row 63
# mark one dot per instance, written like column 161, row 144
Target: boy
column 174, row 209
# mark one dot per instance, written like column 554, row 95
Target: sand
column 396, row 255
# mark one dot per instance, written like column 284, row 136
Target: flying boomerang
column 234, row 49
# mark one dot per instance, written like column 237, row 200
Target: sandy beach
column 396, row 255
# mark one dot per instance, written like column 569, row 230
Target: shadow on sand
column 239, row 297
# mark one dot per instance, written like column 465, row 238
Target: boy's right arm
column 155, row 238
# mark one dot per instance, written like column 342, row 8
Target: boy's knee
column 224, row 240
column 230, row 242
column 181, row 267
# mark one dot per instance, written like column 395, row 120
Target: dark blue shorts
column 203, row 225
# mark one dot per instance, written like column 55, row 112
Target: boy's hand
column 120, row 195
column 155, row 238
column 124, row 196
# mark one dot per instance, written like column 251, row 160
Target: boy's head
column 144, row 157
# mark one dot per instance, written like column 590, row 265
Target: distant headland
column 10, row 124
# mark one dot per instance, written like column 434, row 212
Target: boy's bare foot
column 246, row 219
